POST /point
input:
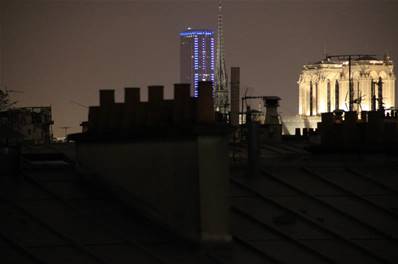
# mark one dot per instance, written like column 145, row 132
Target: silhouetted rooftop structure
column 133, row 118
column 374, row 131
column 179, row 200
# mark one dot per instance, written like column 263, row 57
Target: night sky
column 62, row 51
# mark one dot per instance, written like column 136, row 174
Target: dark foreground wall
column 9, row 161
column 180, row 183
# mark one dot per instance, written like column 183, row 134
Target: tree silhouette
column 5, row 101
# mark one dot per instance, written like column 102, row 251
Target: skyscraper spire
column 221, row 81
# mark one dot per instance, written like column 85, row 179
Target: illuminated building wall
column 324, row 86
column 197, row 57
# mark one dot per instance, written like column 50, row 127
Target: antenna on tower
column 221, row 79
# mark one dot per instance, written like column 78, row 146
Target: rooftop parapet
column 157, row 116
column 131, row 96
column 107, row 97
column 374, row 131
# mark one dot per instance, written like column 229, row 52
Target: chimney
column 327, row 118
column 205, row 104
column 350, row 117
column 235, row 94
column 107, row 97
column 182, row 92
column 155, row 93
column 271, row 104
column 364, row 116
column 131, row 95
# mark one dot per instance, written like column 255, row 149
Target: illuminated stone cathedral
column 325, row 86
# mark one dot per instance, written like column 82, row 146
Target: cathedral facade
column 324, row 86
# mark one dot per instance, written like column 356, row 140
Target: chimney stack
column 155, row 93
column 107, row 97
column 182, row 92
column 271, row 104
column 131, row 95
column 205, row 103
column 235, row 94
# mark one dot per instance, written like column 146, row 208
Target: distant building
column 197, row 57
column 32, row 124
column 324, row 85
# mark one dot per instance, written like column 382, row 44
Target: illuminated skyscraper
column 197, row 57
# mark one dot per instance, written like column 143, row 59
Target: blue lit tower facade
column 197, row 57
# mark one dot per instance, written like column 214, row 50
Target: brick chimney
column 107, row 97
column 205, row 103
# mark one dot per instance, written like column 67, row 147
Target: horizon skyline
column 76, row 49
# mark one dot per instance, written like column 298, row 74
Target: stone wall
column 182, row 184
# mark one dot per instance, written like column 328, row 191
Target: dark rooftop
column 302, row 208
